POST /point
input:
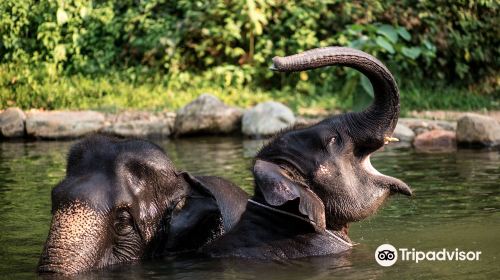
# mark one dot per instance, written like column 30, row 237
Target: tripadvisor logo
column 387, row 255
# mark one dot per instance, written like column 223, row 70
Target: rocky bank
column 209, row 115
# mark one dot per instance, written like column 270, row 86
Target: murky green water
column 456, row 205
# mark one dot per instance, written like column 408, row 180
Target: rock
column 449, row 115
column 12, row 123
column 436, row 140
column 478, row 130
column 266, row 119
column 141, row 124
column 420, row 126
column 404, row 133
column 207, row 114
column 63, row 124
column 251, row 146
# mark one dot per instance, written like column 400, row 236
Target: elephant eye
column 332, row 141
column 123, row 223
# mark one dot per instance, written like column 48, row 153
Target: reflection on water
column 456, row 205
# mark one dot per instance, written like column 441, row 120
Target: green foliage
column 187, row 46
column 380, row 40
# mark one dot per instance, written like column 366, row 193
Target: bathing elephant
column 123, row 200
column 311, row 182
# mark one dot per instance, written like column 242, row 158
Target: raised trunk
column 370, row 127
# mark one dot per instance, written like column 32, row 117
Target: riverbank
column 151, row 91
column 208, row 115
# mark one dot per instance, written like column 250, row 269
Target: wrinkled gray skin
column 123, row 200
column 321, row 173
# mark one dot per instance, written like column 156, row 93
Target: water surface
column 456, row 205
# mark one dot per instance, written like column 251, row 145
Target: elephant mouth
column 392, row 184
column 366, row 164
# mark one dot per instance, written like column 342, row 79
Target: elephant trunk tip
column 44, row 269
column 280, row 64
column 276, row 64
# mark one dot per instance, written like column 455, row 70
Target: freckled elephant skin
column 79, row 228
column 123, row 200
column 311, row 182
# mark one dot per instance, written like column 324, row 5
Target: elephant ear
column 231, row 200
column 278, row 188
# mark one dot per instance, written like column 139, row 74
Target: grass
column 446, row 98
column 113, row 93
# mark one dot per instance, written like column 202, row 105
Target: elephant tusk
column 388, row 140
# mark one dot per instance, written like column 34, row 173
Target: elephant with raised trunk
column 123, row 200
column 310, row 183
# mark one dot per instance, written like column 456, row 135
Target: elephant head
column 123, row 200
column 327, row 166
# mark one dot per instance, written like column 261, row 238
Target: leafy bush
column 228, row 44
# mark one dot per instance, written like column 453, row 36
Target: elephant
column 312, row 182
column 123, row 200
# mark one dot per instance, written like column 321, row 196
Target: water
column 456, row 205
